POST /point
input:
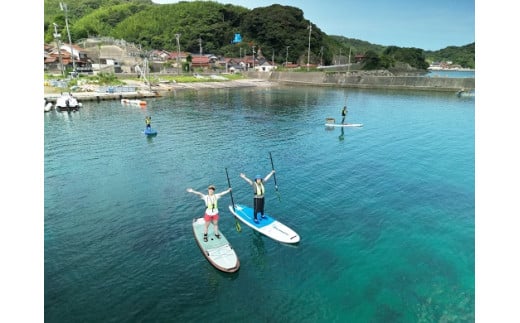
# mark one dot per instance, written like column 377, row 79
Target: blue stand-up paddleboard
column 218, row 252
column 150, row 132
column 267, row 226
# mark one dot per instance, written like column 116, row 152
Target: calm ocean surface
column 386, row 212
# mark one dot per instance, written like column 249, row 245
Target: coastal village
column 138, row 67
column 117, row 56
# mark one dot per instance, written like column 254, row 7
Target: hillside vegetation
column 279, row 32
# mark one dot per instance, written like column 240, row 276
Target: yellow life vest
column 259, row 188
column 211, row 203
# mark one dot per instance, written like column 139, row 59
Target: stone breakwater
column 366, row 80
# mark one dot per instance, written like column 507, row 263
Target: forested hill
column 280, row 32
column 462, row 55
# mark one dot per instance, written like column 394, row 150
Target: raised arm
column 246, row 179
column 269, row 175
column 223, row 192
column 190, row 190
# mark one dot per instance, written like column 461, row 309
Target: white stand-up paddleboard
column 218, row 252
column 267, row 226
column 344, row 124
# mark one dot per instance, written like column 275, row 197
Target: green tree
column 372, row 61
column 387, row 61
column 276, row 27
column 412, row 56
column 463, row 55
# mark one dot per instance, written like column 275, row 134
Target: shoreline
column 140, row 90
column 159, row 90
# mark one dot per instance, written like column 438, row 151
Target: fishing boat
column 67, row 103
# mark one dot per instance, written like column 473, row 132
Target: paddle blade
column 237, row 225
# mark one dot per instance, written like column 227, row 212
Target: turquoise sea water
column 386, row 212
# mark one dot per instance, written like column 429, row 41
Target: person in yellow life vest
column 148, row 121
column 344, row 114
column 258, row 190
column 211, row 214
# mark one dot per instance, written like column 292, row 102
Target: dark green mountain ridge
column 279, row 32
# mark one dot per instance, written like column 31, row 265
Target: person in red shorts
column 211, row 214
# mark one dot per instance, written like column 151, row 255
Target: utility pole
column 200, row 46
column 63, row 7
column 146, row 68
column 253, row 57
column 309, row 53
column 286, row 56
column 348, row 68
column 57, row 38
column 177, row 36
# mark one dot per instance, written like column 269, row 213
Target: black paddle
column 274, row 176
column 237, row 224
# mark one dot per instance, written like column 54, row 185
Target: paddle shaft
column 274, row 177
column 237, row 225
column 230, row 192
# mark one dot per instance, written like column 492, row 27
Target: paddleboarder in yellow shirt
column 211, row 214
column 259, row 190
column 344, row 114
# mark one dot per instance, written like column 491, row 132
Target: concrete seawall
column 96, row 96
column 267, row 79
column 360, row 80
column 141, row 90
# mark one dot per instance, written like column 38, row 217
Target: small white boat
column 140, row 103
column 67, row 102
column 47, row 105
column 466, row 93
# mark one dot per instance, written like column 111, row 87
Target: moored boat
column 139, row 103
column 466, row 93
column 67, row 102
column 47, row 106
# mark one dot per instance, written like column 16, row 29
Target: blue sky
column 429, row 25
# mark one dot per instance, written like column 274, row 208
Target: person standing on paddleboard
column 344, row 114
column 148, row 121
column 258, row 190
column 211, row 214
